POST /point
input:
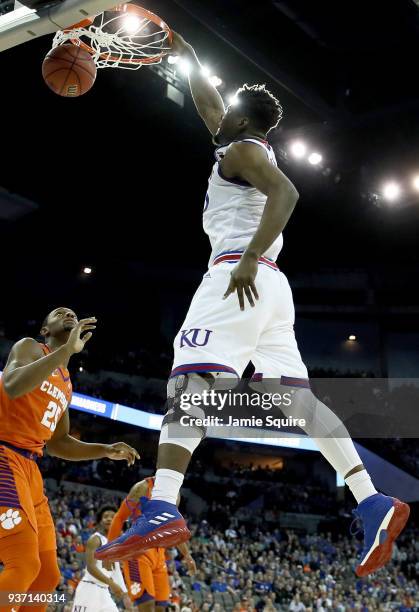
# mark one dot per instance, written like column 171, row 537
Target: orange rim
column 124, row 8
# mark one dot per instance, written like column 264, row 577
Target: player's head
column 59, row 323
column 105, row 515
column 254, row 111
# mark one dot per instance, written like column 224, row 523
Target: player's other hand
column 116, row 589
column 123, row 451
column 243, row 280
column 78, row 336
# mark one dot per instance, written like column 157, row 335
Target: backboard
column 20, row 23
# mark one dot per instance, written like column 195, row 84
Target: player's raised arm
column 208, row 101
column 63, row 445
column 27, row 366
column 249, row 162
column 124, row 511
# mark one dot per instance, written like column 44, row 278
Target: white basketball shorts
column 91, row 597
column 217, row 336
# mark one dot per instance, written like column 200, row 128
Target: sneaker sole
column 135, row 545
column 382, row 554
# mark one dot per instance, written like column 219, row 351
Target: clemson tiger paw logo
column 9, row 519
column 135, row 588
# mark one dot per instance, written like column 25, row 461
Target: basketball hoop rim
column 134, row 9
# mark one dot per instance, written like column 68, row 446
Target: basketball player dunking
column 35, row 392
column 247, row 206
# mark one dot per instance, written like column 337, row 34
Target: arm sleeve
column 118, row 520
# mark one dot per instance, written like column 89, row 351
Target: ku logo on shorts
column 194, row 337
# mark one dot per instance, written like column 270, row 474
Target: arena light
column 232, row 100
column 87, row 270
column 215, row 81
column 391, row 191
column 173, row 59
column 352, row 338
column 131, row 24
column 314, row 159
column 184, row 66
column 81, row 369
column 298, row 149
column 415, row 182
column 205, row 71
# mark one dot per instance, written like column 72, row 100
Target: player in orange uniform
column 35, row 392
column 146, row 577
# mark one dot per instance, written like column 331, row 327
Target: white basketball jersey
column 233, row 209
column 88, row 577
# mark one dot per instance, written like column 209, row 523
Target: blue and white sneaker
column 160, row 525
column 383, row 518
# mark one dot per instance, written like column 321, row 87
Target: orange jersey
column 30, row 420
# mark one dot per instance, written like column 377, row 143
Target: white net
column 119, row 39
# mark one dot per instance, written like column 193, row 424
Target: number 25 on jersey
column 51, row 416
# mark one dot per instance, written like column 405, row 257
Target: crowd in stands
column 249, row 569
column 224, row 495
column 236, row 492
column 246, row 563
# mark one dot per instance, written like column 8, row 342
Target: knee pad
column 179, row 391
column 183, row 389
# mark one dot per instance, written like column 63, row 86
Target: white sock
column 167, row 485
column 361, row 486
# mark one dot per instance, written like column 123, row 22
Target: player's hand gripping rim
column 179, row 46
column 243, row 281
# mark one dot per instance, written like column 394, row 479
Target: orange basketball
column 69, row 70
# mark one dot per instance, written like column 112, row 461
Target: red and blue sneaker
column 383, row 518
column 160, row 525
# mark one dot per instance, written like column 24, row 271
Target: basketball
column 69, row 71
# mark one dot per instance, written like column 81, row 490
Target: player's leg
column 141, row 583
column 49, row 573
column 19, row 547
column 212, row 348
column 277, row 359
column 19, row 555
column 161, row 583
